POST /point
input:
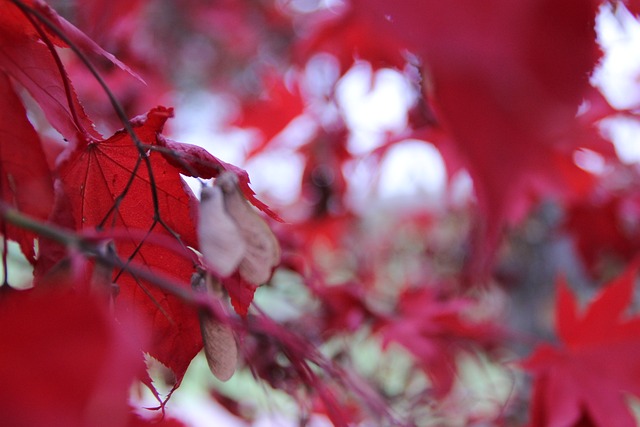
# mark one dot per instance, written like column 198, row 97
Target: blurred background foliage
column 325, row 116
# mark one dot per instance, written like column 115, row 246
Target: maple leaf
column 505, row 80
column 588, row 374
column 25, row 178
column 94, row 176
column 65, row 359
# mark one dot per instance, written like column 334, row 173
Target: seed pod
column 262, row 251
column 220, row 346
column 221, row 242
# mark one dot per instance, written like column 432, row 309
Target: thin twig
column 91, row 248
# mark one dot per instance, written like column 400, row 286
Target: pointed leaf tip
column 566, row 315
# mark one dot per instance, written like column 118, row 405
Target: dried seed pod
column 220, row 346
column 262, row 251
column 221, row 242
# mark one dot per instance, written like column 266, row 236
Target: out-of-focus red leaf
column 230, row 22
column 326, row 231
column 344, row 307
column 272, row 111
column 104, row 21
column 505, row 80
column 65, row 360
column 94, row 175
column 240, row 409
column 350, row 36
column 435, row 330
column 25, row 178
column 605, row 225
column 241, row 28
column 595, row 365
column 340, row 413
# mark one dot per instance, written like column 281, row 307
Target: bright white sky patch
column 412, row 168
column 589, row 160
column 277, row 174
column 373, row 103
column 618, row 78
column 625, row 132
column 200, row 120
column 618, row 74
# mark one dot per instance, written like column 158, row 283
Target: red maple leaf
column 25, row 178
column 95, row 176
column 595, row 365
